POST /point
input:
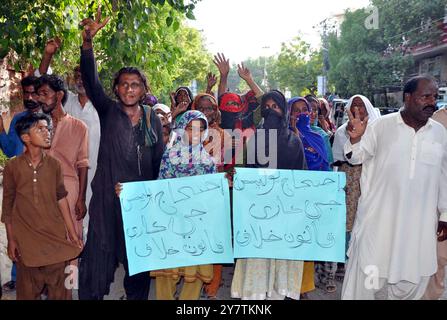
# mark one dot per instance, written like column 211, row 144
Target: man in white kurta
column 404, row 184
column 80, row 107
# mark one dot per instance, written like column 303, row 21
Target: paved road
column 117, row 290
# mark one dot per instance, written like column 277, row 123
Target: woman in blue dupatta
column 187, row 157
column 314, row 106
column 314, row 145
column 316, row 153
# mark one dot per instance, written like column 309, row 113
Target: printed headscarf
column 183, row 160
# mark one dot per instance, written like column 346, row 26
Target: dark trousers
column 136, row 286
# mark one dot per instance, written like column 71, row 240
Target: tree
column 259, row 67
column 410, row 22
column 297, row 67
column 370, row 60
column 142, row 33
column 193, row 63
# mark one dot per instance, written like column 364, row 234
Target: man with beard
column 10, row 142
column 69, row 146
column 130, row 150
column 392, row 252
column 12, row 145
column 80, row 107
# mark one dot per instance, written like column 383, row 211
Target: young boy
column 36, row 214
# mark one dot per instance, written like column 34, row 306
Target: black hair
column 55, row 83
column 274, row 93
column 188, row 91
column 131, row 70
column 24, row 124
column 278, row 97
column 311, row 98
column 412, row 84
column 29, row 81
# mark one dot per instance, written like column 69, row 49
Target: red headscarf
column 228, row 97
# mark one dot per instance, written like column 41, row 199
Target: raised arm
column 89, row 72
column 224, row 69
column 245, row 74
column 50, row 50
column 211, row 81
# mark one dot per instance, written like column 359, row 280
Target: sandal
column 331, row 287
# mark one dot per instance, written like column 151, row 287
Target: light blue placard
column 177, row 222
column 289, row 214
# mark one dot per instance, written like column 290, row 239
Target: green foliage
column 413, row 20
column 256, row 67
column 194, row 62
column 148, row 34
column 297, row 67
column 3, row 159
column 368, row 61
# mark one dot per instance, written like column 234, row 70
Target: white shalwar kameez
column 404, row 184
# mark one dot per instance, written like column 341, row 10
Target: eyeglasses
column 133, row 85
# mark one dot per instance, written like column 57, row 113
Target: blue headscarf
column 314, row 146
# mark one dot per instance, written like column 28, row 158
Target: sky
column 254, row 28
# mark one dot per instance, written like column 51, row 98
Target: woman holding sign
column 316, row 154
column 215, row 146
column 259, row 279
column 187, row 157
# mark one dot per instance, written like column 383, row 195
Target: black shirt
column 123, row 157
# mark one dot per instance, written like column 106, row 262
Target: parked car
column 441, row 105
column 384, row 111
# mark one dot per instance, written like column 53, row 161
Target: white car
column 441, row 105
